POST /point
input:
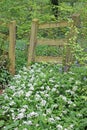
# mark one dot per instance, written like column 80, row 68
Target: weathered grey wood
column 52, row 42
column 12, row 43
column 54, row 25
column 33, row 40
column 76, row 19
column 49, row 59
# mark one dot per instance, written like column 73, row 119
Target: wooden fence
column 51, row 42
column 34, row 41
column 12, row 44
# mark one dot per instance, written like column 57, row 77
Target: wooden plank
column 12, row 42
column 49, row 59
column 52, row 42
column 33, row 39
column 54, row 25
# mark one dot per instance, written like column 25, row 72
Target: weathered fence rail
column 51, row 42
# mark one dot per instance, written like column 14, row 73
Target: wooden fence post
column 33, row 40
column 68, row 57
column 12, row 43
column 76, row 19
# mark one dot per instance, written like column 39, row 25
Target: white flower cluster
column 39, row 98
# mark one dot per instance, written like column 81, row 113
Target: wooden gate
column 32, row 57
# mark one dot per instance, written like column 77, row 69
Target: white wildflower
column 72, row 92
column 20, row 93
column 15, row 128
column 63, row 86
column 48, row 88
column 56, row 86
column 11, row 110
column 28, row 94
column 46, row 95
column 42, row 88
column 65, row 129
column 28, row 122
column 75, row 88
column 13, row 116
column 51, row 80
column 22, row 110
column 48, row 111
column 55, row 106
column 12, row 87
column 32, row 114
column 43, row 102
column 20, row 116
column 24, row 68
column 42, row 75
column 74, row 104
column 38, row 107
column 31, row 71
column 25, row 129
column 77, row 82
column 59, row 127
column 32, row 78
column 37, row 97
column 51, row 120
column 69, row 91
column 63, row 97
column 17, row 81
column 53, row 89
column 70, row 102
column 37, row 125
column 25, row 106
column 23, row 85
column 6, row 97
column 12, row 103
column 50, row 71
column 44, row 114
column 42, row 92
column 18, row 76
column 57, row 118
column 79, row 115
column 25, row 73
column 70, row 79
column 65, row 112
column 31, row 88
column 71, row 126
column 24, row 77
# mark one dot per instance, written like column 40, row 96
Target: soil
column 1, row 91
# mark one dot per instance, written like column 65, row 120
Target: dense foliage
column 24, row 11
column 44, row 98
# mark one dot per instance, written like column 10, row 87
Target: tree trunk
column 55, row 4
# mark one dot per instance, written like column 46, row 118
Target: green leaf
column 15, row 124
column 2, row 122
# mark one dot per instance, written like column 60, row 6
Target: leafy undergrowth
column 5, row 77
column 44, row 98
